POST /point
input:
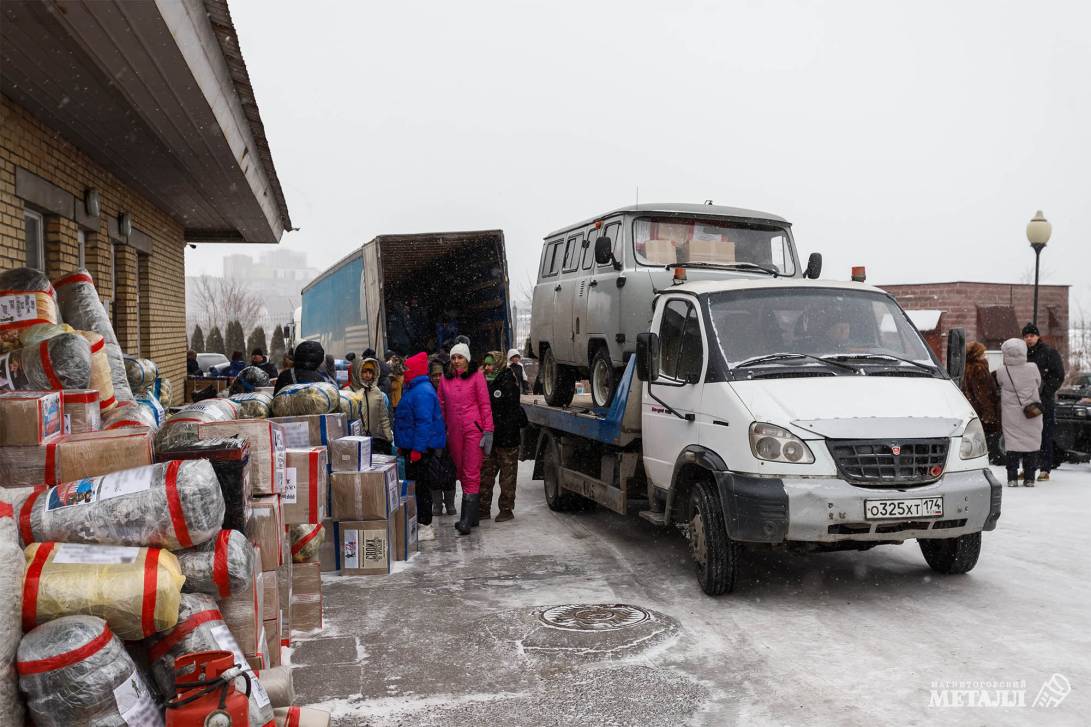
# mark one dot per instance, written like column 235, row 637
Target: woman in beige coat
column 1020, row 383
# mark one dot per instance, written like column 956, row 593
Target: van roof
column 759, row 283
column 680, row 209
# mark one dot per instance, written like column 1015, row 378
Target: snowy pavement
column 454, row 636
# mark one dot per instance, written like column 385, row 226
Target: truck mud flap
column 996, row 493
column 755, row 509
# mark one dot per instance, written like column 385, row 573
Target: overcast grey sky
column 916, row 138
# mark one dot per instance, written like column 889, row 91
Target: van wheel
column 558, row 382
column 952, row 556
column 604, row 378
column 715, row 555
column 556, row 499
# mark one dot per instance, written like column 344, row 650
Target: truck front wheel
column 715, row 555
column 952, row 556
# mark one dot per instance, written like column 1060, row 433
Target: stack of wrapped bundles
column 230, row 459
column 128, row 415
column 254, row 405
column 181, row 428
column 69, row 457
column 81, row 307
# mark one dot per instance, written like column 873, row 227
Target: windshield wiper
column 879, row 356
column 728, row 266
column 784, row 356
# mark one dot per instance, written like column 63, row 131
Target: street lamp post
column 1038, row 232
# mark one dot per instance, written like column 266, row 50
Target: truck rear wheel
column 715, row 555
column 557, row 499
column 952, row 556
column 558, row 382
column 604, row 378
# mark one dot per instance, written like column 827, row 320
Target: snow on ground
column 847, row 638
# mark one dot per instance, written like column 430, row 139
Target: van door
column 541, row 307
column 599, row 310
column 679, row 387
column 564, row 336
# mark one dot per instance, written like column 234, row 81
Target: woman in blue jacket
column 419, row 431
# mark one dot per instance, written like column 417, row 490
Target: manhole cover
column 593, row 616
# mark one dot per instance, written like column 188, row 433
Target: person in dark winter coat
column 1020, row 384
column 258, row 358
column 307, row 358
column 1051, row 367
column 192, row 367
column 237, row 365
column 443, row 491
column 508, row 419
column 980, row 389
column 419, row 434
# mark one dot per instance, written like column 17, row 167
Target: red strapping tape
column 51, row 462
column 79, row 397
column 302, row 542
column 25, row 531
column 219, row 564
column 312, row 514
column 30, row 585
column 74, row 278
column 125, row 424
column 68, row 658
column 47, row 365
column 6, row 510
column 293, row 717
column 98, row 345
column 104, row 405
column 147, row 610
column 174, row 505
column 181, row 631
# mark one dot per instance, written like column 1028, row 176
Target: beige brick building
column 127, row 131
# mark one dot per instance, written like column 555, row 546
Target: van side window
column 552, row 263
column 671, row 330
column 612, row 231
column 572, row 253
column 589, row 248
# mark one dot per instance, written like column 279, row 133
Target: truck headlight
column 973, row 441
column 776, row 444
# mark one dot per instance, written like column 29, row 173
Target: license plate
column 903, row 509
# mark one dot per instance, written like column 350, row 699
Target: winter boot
column 1028, row 483
column 475, row 516
column 425, row 532
column 1013, row 483
column 437, row 502
column 469, row 507
column 1043, row 476
column 449, row 501
column 503, row 516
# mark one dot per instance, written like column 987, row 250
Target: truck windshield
column 670, row 241
column 853, row 325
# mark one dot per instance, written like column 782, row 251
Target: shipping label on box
column 267, row 450
column 365, row 547
column 306, row 484
column 356, row 428
column 350, row 454
column 29, row 417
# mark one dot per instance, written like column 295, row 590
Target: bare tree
column 226, row 299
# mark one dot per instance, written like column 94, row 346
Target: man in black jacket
column 1051, row 366
column 307, row 358
column 259, row 359
column 508, row 419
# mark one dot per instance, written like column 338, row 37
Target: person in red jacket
column 464, row 398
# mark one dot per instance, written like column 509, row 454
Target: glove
column 486, row 443
column 415, row 456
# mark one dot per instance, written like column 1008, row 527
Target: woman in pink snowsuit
column 464, row 398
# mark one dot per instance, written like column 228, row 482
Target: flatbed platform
column 617, row 424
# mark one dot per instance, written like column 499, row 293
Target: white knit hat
column 513, row 353
column 461, row 349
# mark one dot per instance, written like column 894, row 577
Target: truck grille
column 874, row 462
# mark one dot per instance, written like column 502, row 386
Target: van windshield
column 848, row 324
column 670, row 240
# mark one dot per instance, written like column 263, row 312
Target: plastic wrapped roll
column 42, row 331
column 75, row 671
column 175, row 504
column 221, row 567
column 128, row 414
column 61, row 362
column 201, row 628
column 136, row 590
column 181, row 428
column 250, row 379
column 26, row 299
column 141, row 374
column 301, row 399
column 254, row 405
column 279, row 685
column 154, row 407
column 306, row 541
column 11, row 604
column 102, row 380
column 352, row 404
column 230, row 459
column 81, row 307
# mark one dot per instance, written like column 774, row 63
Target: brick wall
column 959, row 302
column 157, row 329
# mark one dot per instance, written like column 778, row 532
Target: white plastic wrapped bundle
column 154, row 407
column 254, row 405
column 12, row 565
column 352, row 403
column 250, row 379
column 74, row 671
column 81, row 307
column 175, row 505
column 181, row 428
column 306, row 541
column 201, row 628
column 129, row 414
column 302, row 399
column 221, row 567
column 26, row 299
column 60, row 362
column 141, row 374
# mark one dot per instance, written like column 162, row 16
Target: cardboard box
column 81, row 411
column 350, row 454
column 306, row 597
column 272, row 643
column 267, row 449
column 327, row 551
column 256, row 662
column 28, row 418
column 398, row 545
column 301, row 717
column 270, row 588
column 369, row 495
column 365, row 546
column 313, row 430
column 356, row 428
column 409, row 489
column 72, row 457
column 265, row 530
column 243, row 613
column 405, row 530
column 284, row 582
column 306, row 485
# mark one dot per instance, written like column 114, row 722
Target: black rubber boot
column 469, row 506
column 449, row 501
column 437, row 502
column 475, row 516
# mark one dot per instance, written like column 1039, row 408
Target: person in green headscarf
column 508, row 419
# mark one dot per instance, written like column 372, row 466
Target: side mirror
column 647, row 356
column 604, row 252
column 814, row 266
column 956, row 354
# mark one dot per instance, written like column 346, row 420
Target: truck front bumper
column 829, row 510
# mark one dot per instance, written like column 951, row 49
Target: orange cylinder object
column 205, row 697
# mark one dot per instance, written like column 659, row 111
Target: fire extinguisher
column 207, row 697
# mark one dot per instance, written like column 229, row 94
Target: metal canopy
column 155, row 92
